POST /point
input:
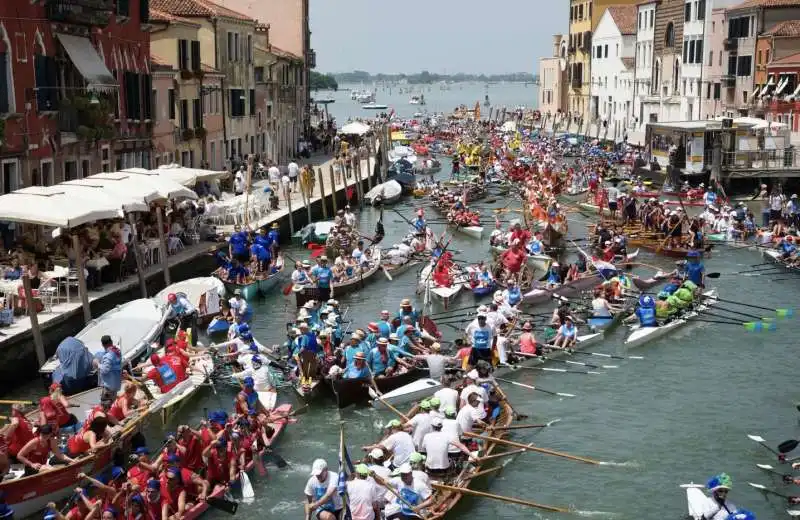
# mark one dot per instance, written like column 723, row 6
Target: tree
column 322, row 81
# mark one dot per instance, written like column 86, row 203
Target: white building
column 613, row 49
column 645, row 31
column 696, row 28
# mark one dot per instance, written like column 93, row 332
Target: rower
column 406, row 309
column 481, row 337
column 414, row 492
column 718, row 506
column 53, row 411
column 435, row 360
column 494, row 318
column 321, row 493
column 125, row 404
column 356, row 345
column 437, row 446
column 238, row 304
column 447, row 395
column 536, row 247
column 513, row 258
column 567, row 335
column 646, row 311
column 419, row 222
column 358, row 369
column 512, row 294
column 178, row 487
column 470, row 386
column 553, row 276
column 470, row 414
column 247, row 401
column 141, row 469
column 485, row 278
column 398, row 442
column 162, row 374
column 385, row 325
column 36, row 452
column 420, row 424
column 382, row 360
column 182, row 310
column 18, row 432
column 527, row 340
column 322, row 275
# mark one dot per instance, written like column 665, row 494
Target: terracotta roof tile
column 209, row 69
column 625, row 17
column 156, row 15
column 628, row 62
column 792, row 59
column 766, row 3
column 197, row 8
column 787, row 28
column 159, row 63
column 284, row 54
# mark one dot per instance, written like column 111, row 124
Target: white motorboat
column 402, row 152
column 387, row 193
column 133, row 326
column 203, row 292
column 374, row 106
column 641, row 335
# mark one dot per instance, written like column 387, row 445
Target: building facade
column 73, row 78
column 613, row 49
column 711, row 85
column 552, row 81
column 696, row 25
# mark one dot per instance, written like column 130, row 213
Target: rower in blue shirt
column 274, row 237
column 382, row 360
column 307, row 340
column 237, row 273
column 260, row 253
column 220, row 257
column 646, row 311
column 786, row 247
column 406, row 309
column 358, row 369
column 419, row 222
column 384, row 325
column 323, row 276
column 237, row 245
column 536, row 247
column 263, row 239
column 695, row 269
column 553, row 276
column 356, row 346
column 373, row 332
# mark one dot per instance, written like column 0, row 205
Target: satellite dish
column 563, row 63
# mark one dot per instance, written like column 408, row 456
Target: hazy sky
column 473, row 36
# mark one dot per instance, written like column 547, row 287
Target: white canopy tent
column 55, row 207
column 167, row 188
column 118, row 185
column 83, row 188
column 355, row 128
column 188, row 176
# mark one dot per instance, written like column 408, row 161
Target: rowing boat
column 170, row 402
column 446, row 294
column 581, row 342
column 355, row 282
column 354, row 391
column 535, row 262
column 776, row 257
column 203, row 292
column 414, row 391
column 641, row 335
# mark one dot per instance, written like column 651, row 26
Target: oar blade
column 787, row 446
column 765, row 467
column 793, row 512
column 229, row 506
column 756, row 438
column 757, row 486
column 562, row 394
column 784, row 313
column 551, row 423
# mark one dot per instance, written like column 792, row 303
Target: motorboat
column 374, row 106
column 204, row 293
column 387, row 193
column 314, row 233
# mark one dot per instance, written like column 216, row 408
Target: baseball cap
column 319, row 466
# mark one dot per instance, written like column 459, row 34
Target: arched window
column 7, row 100
column 669, row 37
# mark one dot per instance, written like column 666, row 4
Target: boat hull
column 583, row 341
column 356, row 391
column 641, row 335
column 249, row 290
column 412, row 392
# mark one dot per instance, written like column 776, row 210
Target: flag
column 605, row 269
column 345, row 468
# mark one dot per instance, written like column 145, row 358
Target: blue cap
column 693, row 254
column 153, row 484
column 253, row 347
column 49, row 514
column 218, row 416
column 137, row 498
column 741, row 514
column 248, row 382
column 117, row 472
column 173, row 458
column 256, row 359
column 244, row 328
column 246, row 336
column 174, row 469
column 142, row 450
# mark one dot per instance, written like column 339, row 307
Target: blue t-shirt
column 238, row 243
column 377, row 364
column 480, row 338
column 263, row 240
column 324, row 276
column 384, row 329
column 694, row 271
column 354, row 372
column 350, row 353
column 235, row 271
column 274, row 237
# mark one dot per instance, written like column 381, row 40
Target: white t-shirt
column 467, row 416
column 316, row 489
column 362, row 493
column 274, row 174
column 422, row 426
column 436, row 446
column 126, row 233
column 285, row 181
column 294, row 170
column 452, row 429
column 447, row 397
column 613, row 194
column 394, row 505
column 471, row 389
column 238, row 184
column 436, row 363
column 401, row 444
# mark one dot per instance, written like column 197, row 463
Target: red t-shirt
column 193, row 459
column 513, row 261
column 139, row 476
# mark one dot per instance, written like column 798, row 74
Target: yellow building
column 584, row 15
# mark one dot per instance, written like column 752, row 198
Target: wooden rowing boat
column 355, row 391
column 641, row 335
column 776, row 257
column 355, row 282
column 28, row 495
column 446, row 294
column 582, row 342
column 170, row 402
column 535, row 262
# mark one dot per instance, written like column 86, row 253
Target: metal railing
column 784, row 159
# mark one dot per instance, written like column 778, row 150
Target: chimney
column 556, row 45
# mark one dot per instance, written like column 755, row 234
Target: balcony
column 731, row 45
column 576, row 83
column 80, row 12
column 728, row 81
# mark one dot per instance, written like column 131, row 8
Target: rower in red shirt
column 84, row 508
column 89, row 439
column 125, row 404
column 179, row 489
column 53, row 410
column 112, row 489
column 192, row 443
column 152, row 500
column 217, row 465
column 441, row 276
column 18, row 432
column 517, row 233
column 142, row 470
column 513, row 258
column 36, row 452
column 162, row 374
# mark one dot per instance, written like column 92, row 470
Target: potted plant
column 188, row 134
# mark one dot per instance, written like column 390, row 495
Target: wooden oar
column 528, row 447
column 11, row 401
column 483, row 472
column 511, row 500
column 499, row 455
column 526, row 426
column 565, row 361
column 765, row 489
column 531, row 387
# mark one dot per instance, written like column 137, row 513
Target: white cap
column 404, row 468
column 482, row 315
column 376, row 453
column 436, row 421
column 331, row 321
column 483, row 308
column 309, row 304
column 473, row 374
column 319, row 466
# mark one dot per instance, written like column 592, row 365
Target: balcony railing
column 731, row 45
column 785, row 159
column 81, row 12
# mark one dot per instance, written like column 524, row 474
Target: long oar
column 751, row 326
column 780, row 312
column 787, row 446
column 787, row 478
column 738, row 313
column 531, row 387
column 548, row 369
column 765, row 489
column 529, row 447
column 600, row 354
column 511, row 500
column 526, row 426
column 762, row 442
column 565, row 361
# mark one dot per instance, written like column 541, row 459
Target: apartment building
column 553, row 80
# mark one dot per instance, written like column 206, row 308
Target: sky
column 441, row 36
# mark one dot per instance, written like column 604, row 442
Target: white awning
column 754, row 95
column 768, row 86
column 188, row 176
column 51, row 206
column 355, row 128
column 167, row 188
column 794, row 94
column 94, row 190
column 781, row 86
column 121, row 185
column 88, row 62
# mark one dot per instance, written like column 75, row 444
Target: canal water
column 679, row 415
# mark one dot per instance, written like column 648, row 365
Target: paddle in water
column 764, row 489
column 783, row 313
column 531, row 387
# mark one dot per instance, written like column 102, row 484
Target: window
column 616, row 52
column 197, row 114
column 231, row 51
column 249, row 48
column 717, row 90
column 145, row 97
column 154, row 102
column 685, row 51
column 47, row 173
column 759, row 58
column 720, row 59
column 639, row 21
column 766, row 56
column 708, row 90
column 21, row 47
column 698, row 56
column 10, row 178
column 701, row 10
column 5, row 75
column 731, row 65
column 85, row 169
column 710, row 58
column 70, row 170
column 605, row 51
column 171, row 103
column 252, row 101
column 236, row 51
column 669, row 35
column 744, row 96
column 236, row 102
column 739, row 28
column 599, row 51
column 46, row 72
column 259, row 74
column 652, row 14
column 213, row 155
column 580, row 12
column 195, row 56
column 184, row 114
column 744, row 66
column 687, row 12
column 183, row 54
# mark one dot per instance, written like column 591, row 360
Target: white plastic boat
column 444, row 293
column 416, row 391
column 641, row 335
column 132, row 326
column 387, row 193
column 583, row 341
column 473, row 231
column 374, row 106
column 169, row 402
column 204, row 293
column 696, row 500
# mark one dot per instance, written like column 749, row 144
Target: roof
column 792, row 59
column 156, row 15
column 197, row 8
column 625, row 17
column 789, row 28
column 766, row 4
column 284, row 54
column 628, row 63
column 209, row 69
